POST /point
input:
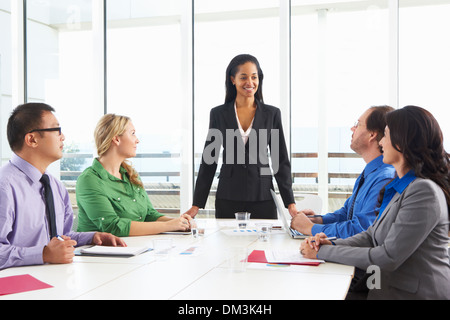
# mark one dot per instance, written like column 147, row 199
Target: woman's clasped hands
column 182, row 223
column 310, row 246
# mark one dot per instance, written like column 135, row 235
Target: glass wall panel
column 339, row 67
column 224, row 29
column 5, row 76
column 304, row 103
column 144, row 82
column 340, row 60
column 424, row 76
column 60, row 73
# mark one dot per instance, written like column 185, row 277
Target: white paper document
column 287, row 256
column 113, row 251
column 240, row 232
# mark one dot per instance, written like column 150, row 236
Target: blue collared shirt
column 336, row 224
column 397, row 185
column 23, row 220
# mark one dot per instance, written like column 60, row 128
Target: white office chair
column 309, row 201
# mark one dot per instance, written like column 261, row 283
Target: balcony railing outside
column 172, row 190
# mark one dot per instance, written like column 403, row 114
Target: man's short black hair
column 23, row 119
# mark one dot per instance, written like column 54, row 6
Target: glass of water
column 197, row 228
column 162, row 248
column 263, row 230
column 242, row 219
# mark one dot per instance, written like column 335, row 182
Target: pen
column 60, row 238
column 314, row 216
column 329, row 239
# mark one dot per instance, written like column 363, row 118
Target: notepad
column 113, row 251
column 178, row 232
column 282, row 257
column 288, row 256
column 21, row 283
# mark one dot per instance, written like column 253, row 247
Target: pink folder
column 22, row 283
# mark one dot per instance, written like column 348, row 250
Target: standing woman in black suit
column 245, row 127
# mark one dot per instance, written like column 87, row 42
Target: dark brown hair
column 416, row 134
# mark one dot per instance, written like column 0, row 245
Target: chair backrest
column 309, row 201
column 75, row 220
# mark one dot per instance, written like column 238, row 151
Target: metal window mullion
column 394, row 53
column 187, row 71
column 322, row 108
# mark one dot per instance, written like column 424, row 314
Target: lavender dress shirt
column 24, row 230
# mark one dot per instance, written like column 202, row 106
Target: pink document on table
column 22, row 283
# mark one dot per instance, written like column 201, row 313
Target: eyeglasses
column 48, row 129
column 357, row 124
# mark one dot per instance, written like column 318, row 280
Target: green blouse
column 108, row 204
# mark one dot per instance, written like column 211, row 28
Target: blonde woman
column 110, row 195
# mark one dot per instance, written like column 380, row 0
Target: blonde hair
column 109, row 126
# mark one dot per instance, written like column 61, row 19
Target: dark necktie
column 350, row 212
column 50, row 205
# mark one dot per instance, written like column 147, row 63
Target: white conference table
column 202, row 275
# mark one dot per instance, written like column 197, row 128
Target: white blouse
column 244, row 134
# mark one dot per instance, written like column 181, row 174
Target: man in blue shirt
column 359, row 211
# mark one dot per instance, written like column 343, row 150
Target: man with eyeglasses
column 36, row 215
column 360, row 209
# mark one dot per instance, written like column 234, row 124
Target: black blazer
column 244, row 179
